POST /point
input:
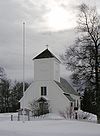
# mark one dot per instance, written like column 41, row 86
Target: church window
column 71, row 104
column 44, row 90
column 77, row 104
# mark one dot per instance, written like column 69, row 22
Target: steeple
column 46, row 66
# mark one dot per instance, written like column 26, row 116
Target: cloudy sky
column 49, row 22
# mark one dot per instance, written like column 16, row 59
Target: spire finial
column 47, row 46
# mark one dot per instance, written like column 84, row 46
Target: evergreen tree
column 4, row 91
column 10, row 94
column 88, row 102
column 16, row 94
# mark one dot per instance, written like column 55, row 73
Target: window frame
column 43, row 90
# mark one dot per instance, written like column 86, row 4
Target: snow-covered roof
column 43, row 98
column 66, row 87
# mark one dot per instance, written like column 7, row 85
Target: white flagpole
column 23, row 112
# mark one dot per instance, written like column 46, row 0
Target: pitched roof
column 69, row 97
column 66, row 87
column 46, row 54
column 42, row 99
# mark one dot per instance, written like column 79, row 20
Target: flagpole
column 23, row 71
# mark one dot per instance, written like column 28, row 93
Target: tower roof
column 45, row 54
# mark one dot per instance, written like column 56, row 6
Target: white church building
column 48, row 87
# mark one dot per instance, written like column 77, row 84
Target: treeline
column 10, row 93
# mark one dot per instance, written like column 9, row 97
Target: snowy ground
column 49, row 128
column 58, row 127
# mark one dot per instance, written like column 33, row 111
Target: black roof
column 69, row 97
column 66, row 87
column 46, row 54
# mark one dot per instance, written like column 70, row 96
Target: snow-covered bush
column 68, row 114
column 39, row 108
column 86, row 116
column 81, row 115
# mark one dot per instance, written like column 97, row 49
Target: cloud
column 38, row 34
column 11, row 52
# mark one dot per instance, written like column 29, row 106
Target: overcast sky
column 49, row 22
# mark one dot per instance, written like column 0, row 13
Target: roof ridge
column 45, row 54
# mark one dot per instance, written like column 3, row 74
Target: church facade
column 48, row 88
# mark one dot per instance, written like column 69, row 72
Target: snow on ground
column 48, row 127
column 7, row 116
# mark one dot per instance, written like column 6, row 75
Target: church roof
column 66, row 87
column 46, row 54
column 69, row 97
column 42, row 98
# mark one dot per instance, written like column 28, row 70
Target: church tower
column 46, row 67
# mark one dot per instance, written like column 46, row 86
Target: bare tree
column 83, row 57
